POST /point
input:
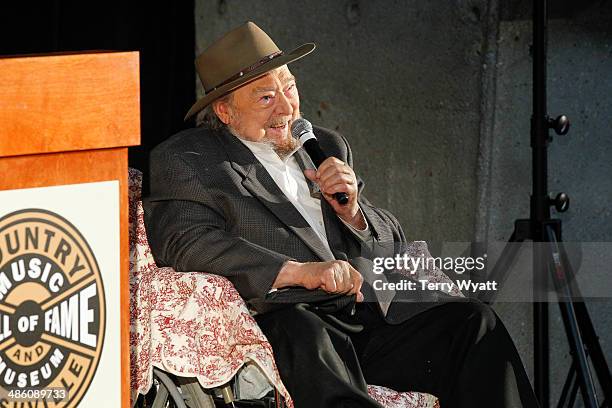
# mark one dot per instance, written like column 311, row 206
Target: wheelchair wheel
column 161, row 397
column 171, row 391
column 175, row 392
column 193, row 393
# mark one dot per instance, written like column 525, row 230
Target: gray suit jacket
column 213, row 207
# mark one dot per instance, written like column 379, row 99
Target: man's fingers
column 311, row 174
column 329, row 282
column 334, row 176
column 333, row 281
column 347, row 283
column 357, row 280
column 325, row 174
column 329, row 162
column 338, row 179
column 330, row 178
column 340, row 187
column 340, row 277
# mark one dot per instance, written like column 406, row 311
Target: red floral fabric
column 393, row 399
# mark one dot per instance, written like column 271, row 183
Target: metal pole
column 540, row 210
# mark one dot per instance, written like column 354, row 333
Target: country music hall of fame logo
column 52, row 308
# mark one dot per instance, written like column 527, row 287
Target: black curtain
column 163, row 32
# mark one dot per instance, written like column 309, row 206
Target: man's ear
column 222, row 110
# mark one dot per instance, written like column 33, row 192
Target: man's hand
column 335, row 176
column 331, row 276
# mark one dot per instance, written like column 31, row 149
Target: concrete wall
column 580, row 163
column 400, row 80
column 435, row 99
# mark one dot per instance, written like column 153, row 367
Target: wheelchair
column 191, row 334
column 169, row 391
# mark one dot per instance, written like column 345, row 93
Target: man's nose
column 284, row 106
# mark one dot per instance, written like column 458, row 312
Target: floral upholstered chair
column 195, row 324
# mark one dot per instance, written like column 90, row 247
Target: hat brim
column 284, row 59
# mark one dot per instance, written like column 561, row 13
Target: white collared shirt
column 289, row 177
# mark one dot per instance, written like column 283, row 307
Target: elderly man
column 238, row 197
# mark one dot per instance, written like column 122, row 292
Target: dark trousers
column 459, row 351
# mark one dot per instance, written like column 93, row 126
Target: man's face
column 264, row 109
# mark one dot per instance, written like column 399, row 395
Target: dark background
column 163, row 33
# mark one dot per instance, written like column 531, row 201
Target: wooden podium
column 65, row 124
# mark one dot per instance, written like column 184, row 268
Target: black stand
column 550, row 257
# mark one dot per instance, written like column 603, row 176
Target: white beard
column 282, row 149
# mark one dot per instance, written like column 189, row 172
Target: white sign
column 60, row 296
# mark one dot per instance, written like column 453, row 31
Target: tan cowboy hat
column 242, row 55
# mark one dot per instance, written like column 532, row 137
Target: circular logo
column 52, row 308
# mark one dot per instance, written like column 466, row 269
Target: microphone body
column 301, row 129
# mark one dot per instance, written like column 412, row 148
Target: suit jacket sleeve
column 187, row 230
column 386, row 229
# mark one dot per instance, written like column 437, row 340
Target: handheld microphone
column 301, row 129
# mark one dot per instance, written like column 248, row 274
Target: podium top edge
column 68, row 54
column 69, row 101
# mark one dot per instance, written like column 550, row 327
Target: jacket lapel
column 305, row 162
column 257, row 180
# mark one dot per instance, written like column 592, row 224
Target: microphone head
column 301, row 129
